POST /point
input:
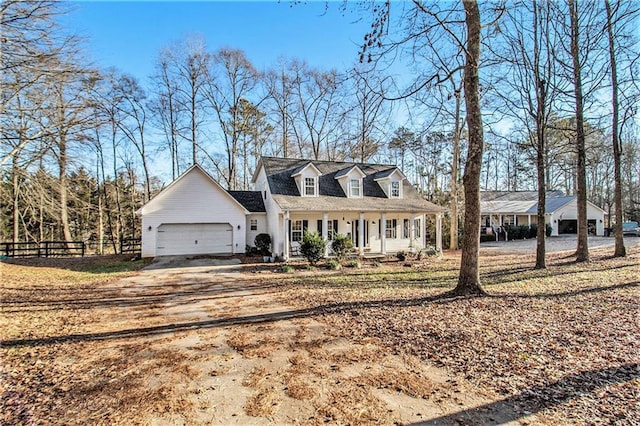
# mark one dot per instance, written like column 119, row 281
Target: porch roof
column 325, row 203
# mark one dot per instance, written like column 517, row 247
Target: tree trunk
column 469, row 278
column 620, row 250
column 62, row 180
column 540, row 148
column 582, row 251
column 453, row 229
column 15, row 183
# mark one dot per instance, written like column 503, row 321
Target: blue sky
column 129, row 34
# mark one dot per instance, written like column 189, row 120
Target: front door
column 355, row 233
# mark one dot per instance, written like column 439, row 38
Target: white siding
column 262, row 227
column 193, row 198
column 274, row 220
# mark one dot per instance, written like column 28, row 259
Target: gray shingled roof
column 331, row 196
column 525, row 202
column 250, row 200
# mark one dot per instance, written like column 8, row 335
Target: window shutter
column 320, row 226
column 305, row 225
column 335, row 226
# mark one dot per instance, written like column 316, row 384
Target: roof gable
column 299, row 170
column 175, row 185
column 346, row 171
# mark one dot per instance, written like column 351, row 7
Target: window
column 406, row 230
column 296, row 230
column 395, row 189
column 254, row 224
column 391, row 228
column 416, row 225
column 332, row 228
column 310, row 186
column 355, row 187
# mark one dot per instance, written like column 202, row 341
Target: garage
column 194, row 238
column 568, row 226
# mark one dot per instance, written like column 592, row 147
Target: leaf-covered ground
column 562, row 342
column 82, row 346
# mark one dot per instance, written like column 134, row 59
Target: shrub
column 355, row 263
column 250, row 251
column 375, row 264
column 263, row 244
column 548, row 230
column 312, row 247
column 341, row 246
column 287, row 269
column 401, row 255
column 334, row 265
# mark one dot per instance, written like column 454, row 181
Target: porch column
column 383, row 233
column 325, row 232
column 361, row 234
column 529, row 219
column 287, row 244
column 515, row 220
column 412, row 229
column 423, row 232
column 439, row 232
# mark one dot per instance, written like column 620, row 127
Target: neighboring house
column 373, row 204
column 499, row 208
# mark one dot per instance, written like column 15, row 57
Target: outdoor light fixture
column 238, row 226
column 149, row 227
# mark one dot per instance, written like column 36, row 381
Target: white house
column 501, row 208
column 373, row 204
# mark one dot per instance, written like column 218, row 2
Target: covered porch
column 372, row 233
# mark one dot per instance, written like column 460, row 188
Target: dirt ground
column 216, row 342
column 278, row 365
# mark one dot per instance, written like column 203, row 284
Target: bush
column 250, row 251
column 548, row 230
column 334, row 265
column 341, row 246
column 312, row 247
column 401, row 255
column 287, row 269
column 375, row 264
column 263, row 244
column 355, row 263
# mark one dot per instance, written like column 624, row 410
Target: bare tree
column 232, row 78
column 369, row 111
column 531, row 88
column 187, row 66
column 132, row 121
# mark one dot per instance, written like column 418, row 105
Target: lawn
column 561, row 345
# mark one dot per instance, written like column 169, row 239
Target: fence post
column 82, row 242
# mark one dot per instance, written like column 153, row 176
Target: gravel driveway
column 555, row 244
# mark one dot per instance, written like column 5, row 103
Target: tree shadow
column 538, row 398
column 314, row 311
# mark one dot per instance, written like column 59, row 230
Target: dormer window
column 310, row 187
column 395, row 189
column 354, row 186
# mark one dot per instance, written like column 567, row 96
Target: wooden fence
column 43, row 249
column 131, row 246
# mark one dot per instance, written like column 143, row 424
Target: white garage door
column 194, row 238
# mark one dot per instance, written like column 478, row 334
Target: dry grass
column 253, row 344
column 354, row 404
column 410, row 383
column 264, row 402
column 255, row 377
column 299, row 387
